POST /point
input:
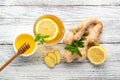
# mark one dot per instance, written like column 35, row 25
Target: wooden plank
column 60, row 2
column 8, row 32
column 20, row 19
column 33, row 67
column 64, row 12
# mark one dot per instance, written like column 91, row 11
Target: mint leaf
column 75, row 44
column 40, row 38
column 37, row 38
column 81, row 44
column 83, row 38
column 45, row 36
column 73, row 48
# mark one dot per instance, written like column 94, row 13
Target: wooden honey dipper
column 21, row 50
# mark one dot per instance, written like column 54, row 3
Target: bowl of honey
column 21, row 39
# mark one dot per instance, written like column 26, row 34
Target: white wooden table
column 18, row 16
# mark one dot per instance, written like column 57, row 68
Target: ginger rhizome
column 91, row 28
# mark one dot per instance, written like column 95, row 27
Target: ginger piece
column 92, row 28
column 68, row 57
column 69, row 38
column 91, row 22
column 53, row 56
column 49, row 61
column 58, row 56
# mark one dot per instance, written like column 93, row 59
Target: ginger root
column 92, row 29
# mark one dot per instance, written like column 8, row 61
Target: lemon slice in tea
column 51, row 26
column 47, row 27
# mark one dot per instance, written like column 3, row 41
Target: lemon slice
column 48, row 27
column 96, row 55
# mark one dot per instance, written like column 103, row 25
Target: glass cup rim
column 63, row 32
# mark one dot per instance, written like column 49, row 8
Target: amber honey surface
column 21, row 39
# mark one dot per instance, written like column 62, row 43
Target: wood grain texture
column 32, row 68
column 20, row 19
column 60, row 2
column 18, row 16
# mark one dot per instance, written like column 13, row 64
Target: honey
column 21, row 39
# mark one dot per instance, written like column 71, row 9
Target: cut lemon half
column 48, row 27
column 96, row 55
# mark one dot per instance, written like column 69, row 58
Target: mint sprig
column 73, row 48
column 40, row 38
